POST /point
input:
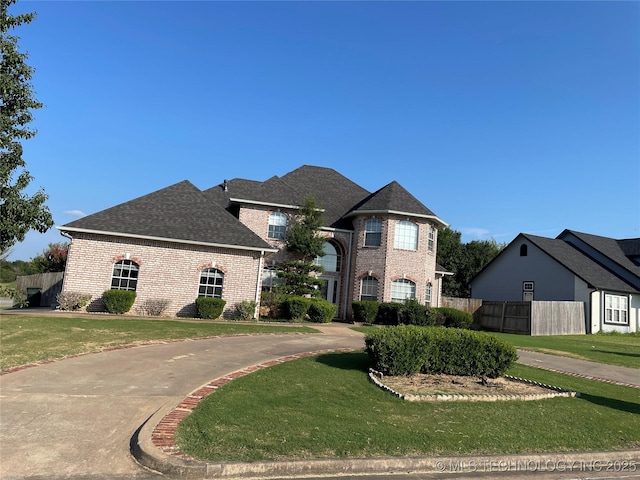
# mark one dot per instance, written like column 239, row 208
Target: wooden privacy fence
column 42, row 288
column 532, row 318
column 465, row 304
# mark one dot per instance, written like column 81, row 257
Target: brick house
column 179, row 242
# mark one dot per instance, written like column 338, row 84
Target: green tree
column 20, row 212
column 300, row 275
column 464, row 260
column 52, row 259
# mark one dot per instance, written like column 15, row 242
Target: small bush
column 246, row 310
column 321, row 311
column 295, row 308
column 118, row 301
column 389, row 313
column 365, row 311
column 413, row 313
column 210, row 308
column 405, row 350
column 270, row 304
column 154, row 307
column 71, row 301
column 455, row 318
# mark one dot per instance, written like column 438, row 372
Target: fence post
column 504, row 308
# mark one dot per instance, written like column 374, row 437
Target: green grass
column 609, row 348
column 30, row 339
column 612, row 349
column 325, row 407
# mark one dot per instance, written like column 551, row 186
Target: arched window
column 369, row 289
column 332, row 260
column 125, row 275
column 402, row 290
column 523, row 250
column 277, row 225
column 406, row 235
column 427, row 295
column 211, row 281
column 373, row 232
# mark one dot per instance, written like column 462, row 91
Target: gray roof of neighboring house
column 618, row 251
column 180, row 212
column 581, row 265
column 338, row 196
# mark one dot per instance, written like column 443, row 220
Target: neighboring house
column 601, row 272
column 180, row 243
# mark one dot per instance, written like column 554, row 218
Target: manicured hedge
column 408, row 349
column 295, row 308
column 210, row 308
column 365, row 311
column 455, row 318
column 118, row 301
column 321, row 311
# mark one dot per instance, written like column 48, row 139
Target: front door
column 330, row 289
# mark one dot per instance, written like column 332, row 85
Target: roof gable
column 180, row 212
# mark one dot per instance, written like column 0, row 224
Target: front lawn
column 29, row 339
column 326, row 407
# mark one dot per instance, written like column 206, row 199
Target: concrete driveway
column 76, row 417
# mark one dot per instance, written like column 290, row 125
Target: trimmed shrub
column 246, row 310
column 295, row 308
column 389, row 313
column 118, row 301
column 270, row 304
column 154, row 307
column 455, row 318
column 71, row 301
column 413, row 313
column 365, row 311
column 408, row 349
column 210, row 308
column 321, row 311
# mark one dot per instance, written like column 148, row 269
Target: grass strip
column 26, row 339
column 325, row 407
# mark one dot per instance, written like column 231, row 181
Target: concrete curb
column 154, row 448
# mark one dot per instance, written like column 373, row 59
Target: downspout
column 256, row 312
column 64, row 276
column 348, row 278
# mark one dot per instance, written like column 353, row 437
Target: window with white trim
column 427, row 295
column 616, row 309
column 211, row 281
column 369, row 289
column 373, row 232
column 332, row 260
column 402, row 290
column 277, row 225
column 432, row 239
column 406, row 237
column 125, row 275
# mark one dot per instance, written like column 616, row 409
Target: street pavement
column 79, row 418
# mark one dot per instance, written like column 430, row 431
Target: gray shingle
column 178, row 212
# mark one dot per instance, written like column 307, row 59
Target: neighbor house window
column 615, row 309
column 373, row 232
column 331, row 261
column 211, row 281
column 125, row 275
column 369, row 289
column 402, row 290
column 406, row 235
column 427, row 295
column 523, row 250
column 432, row 239
column 277, row 225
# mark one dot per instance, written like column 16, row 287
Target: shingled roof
column 580, row 264
column 178, row 213
column 394, row 198
column 339, row 197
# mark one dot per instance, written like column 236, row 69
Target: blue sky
column 501, row 117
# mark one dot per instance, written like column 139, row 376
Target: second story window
column 372, row 232
column 432, row 239
column 331, row 261
column 406, row 235
column 277, row 225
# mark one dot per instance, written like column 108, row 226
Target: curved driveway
column 76, row 417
